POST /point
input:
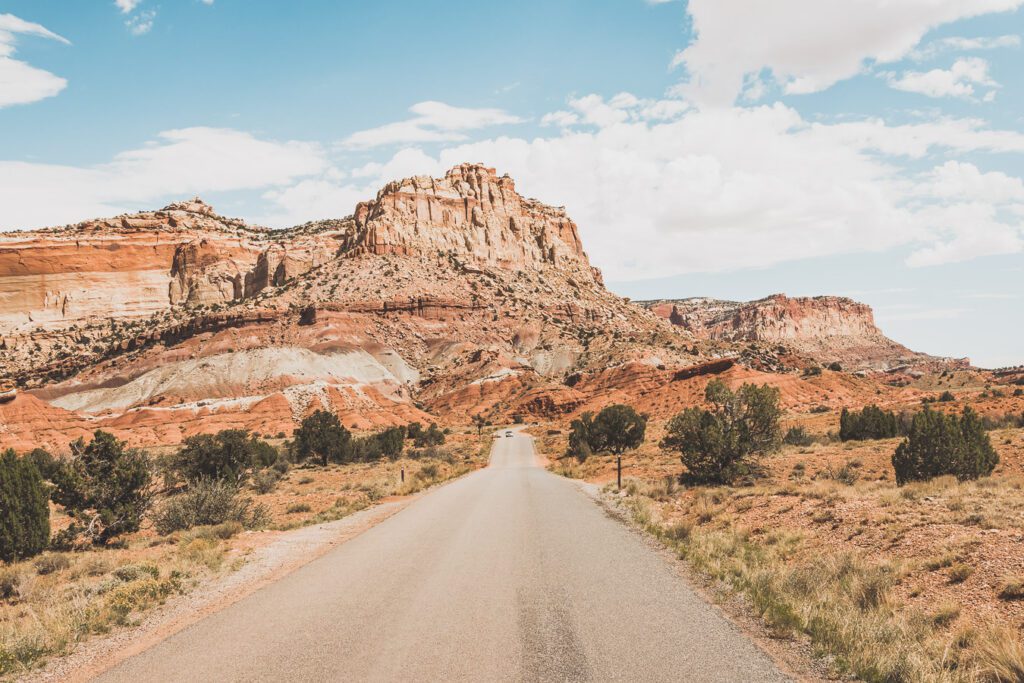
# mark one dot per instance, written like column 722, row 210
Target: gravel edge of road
column 793, row 657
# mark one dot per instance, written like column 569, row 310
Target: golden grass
column 51, row 603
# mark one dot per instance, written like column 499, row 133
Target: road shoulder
column 793, row 657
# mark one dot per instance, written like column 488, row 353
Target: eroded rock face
column 827, row 328
column 440, row 299
column 471, row 213
column 136, row 265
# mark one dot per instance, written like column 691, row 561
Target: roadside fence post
column 618, row 466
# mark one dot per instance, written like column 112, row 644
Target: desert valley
column 457, row 302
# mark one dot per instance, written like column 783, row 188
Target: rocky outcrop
column 823, row 328
column 471, row 213
column 135, row 266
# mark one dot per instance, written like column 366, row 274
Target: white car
column 508, row 433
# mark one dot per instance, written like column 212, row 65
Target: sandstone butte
column 440, row 299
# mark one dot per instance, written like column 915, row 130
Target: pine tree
column 24, row 509
column 941, row 444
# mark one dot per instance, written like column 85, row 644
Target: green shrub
column 388, row 443
column 870, row 423
column 798, row 436
column 944, row 397
column 24, row 509
column 44, row 462
column 298, row 507
column 228, row 454
column 413, row 430
column 208, row 502
column 717, row 445
column 105, row 488
column 432, row 436
column 941, row 444
column 322, row 436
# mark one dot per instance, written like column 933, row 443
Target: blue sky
column 710, row 148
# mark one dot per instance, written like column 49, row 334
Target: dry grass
column 888, row 583
column 51, row 603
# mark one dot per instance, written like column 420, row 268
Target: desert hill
column 826, row 329
column 439, row 299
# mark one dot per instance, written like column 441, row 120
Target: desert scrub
column 842, row 602
column 44, row 615
column 208, row 502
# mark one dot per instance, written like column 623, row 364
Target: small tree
column 941, row 444
column 392, row 440
column 413, row 430
column 617, row 428
column 25, row 518
column 580, row 436
column 480, row 421
column 104, row 488
column 715, row 445
column 870, row 423
column 322, row 436
column 432, row 436
column 227, row 455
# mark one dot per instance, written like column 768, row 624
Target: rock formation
column 824, row 328
column 473, row 213
column 440, row 299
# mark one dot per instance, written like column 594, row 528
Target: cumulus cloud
column 20, row 82
column 434, row 122
column 957, row 81
column 958, row 180
column 179, row 163
column 807, row 45
column 736, row 188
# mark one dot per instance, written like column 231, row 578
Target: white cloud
column 180, row 163
column 141, row 23
column 957, row 180
column 966, row 231
column 807, row 45
column 739, row 187
column 961, row 44
column 126, row 6
column 434, row 122
column 20, row 82
column 918, row 139
column 957, row 81
column 562, row 119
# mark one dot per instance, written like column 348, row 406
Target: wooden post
column 403, row 475
column 618, row 465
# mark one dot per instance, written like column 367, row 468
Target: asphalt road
column 509, row 574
